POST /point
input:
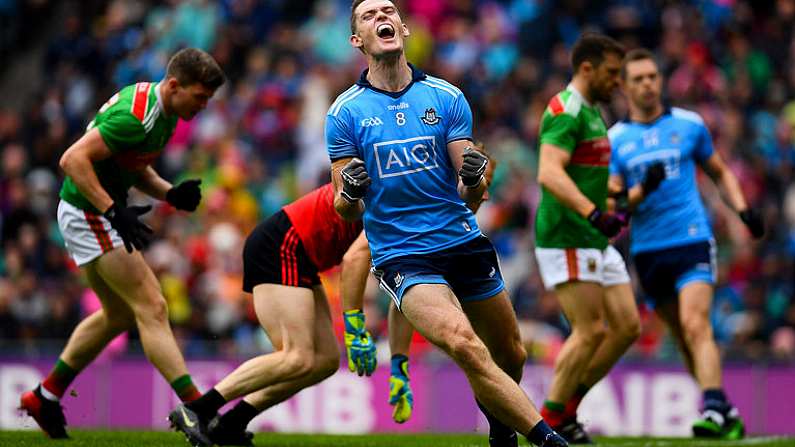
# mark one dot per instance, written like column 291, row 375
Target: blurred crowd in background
column 260, row 144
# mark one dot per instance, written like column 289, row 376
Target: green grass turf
column 163, row 439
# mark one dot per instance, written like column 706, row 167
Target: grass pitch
column 168, row 439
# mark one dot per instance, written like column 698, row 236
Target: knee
column 696, row 328
column 629, row 330
column 152, row 310
column 466, row 348
column 591, row 334
column 299, row 363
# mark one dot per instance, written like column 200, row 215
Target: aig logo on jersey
column 372, row 122
column 403, row 157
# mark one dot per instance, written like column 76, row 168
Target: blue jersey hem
column 468, row 237
column 645, row 248
column 482, row 296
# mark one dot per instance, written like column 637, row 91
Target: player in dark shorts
column 281, row 261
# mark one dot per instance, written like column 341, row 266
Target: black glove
column 355, row 180
column 474, row 166
column 754, row 221
column 125, row 221
column 185, row 196
column 608, row 223
column 655, row 174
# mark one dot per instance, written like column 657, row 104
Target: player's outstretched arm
column 732, row 194
column 350, row 189
column 359, row 345
column 78, row 163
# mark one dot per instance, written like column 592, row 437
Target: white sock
column 48, row 395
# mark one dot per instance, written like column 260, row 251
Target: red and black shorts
column 274, row 254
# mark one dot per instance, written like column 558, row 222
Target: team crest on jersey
column 430, row 118
column 592, row 265
column 675, row 138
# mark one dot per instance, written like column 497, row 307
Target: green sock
column 185, row 388
column 59, row 379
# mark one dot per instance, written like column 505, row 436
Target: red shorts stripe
column 571, row 263
column 103, row 239
column 294, row 259
column 288, row 261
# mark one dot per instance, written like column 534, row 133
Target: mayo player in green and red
column 104, row 235
column 573, row 227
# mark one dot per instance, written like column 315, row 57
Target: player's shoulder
column 132, row 104
column 618, row 130
column 687, row 116
column 566, row 103
column 345, row 99
column 432, row 82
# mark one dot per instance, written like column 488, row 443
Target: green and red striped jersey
column 574, row 125
column 135, row 128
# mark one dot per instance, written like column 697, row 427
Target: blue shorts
column 663, row 273
column 471, row 270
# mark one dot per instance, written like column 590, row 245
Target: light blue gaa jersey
column 673, row 215
column 412, row 205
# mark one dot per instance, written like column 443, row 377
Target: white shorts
column 561, row 265
column 87, row 235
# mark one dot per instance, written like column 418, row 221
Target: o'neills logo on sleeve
column 594, row 152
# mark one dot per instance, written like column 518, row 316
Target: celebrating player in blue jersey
column 399, row 142
column 672, row 243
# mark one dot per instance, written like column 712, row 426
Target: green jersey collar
column 577, row 93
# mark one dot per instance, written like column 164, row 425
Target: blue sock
column 538, row 434
column 400, row 365
column 715, row 399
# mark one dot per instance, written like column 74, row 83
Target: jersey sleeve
column 559, row 130
column 460, row 121
column 121, row 131
column 339, row 137
column 704, row 148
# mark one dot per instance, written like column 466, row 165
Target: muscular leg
column 583, row 305
column 434, row 311
column 400, row 332
column 494, row 321
column 695, row 301
column 326, row 358
column 623, row 322
column 128, row 276
column 288, row 315
column 98, row 329
column 669, row 313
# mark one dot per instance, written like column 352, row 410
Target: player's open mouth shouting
column 385, row 31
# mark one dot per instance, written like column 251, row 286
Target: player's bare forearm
column 152, row 184
column 353, row 274
column 472, row 195
column 727, row 182
column 348, row 210
column 553, row 177
column 78, row 163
